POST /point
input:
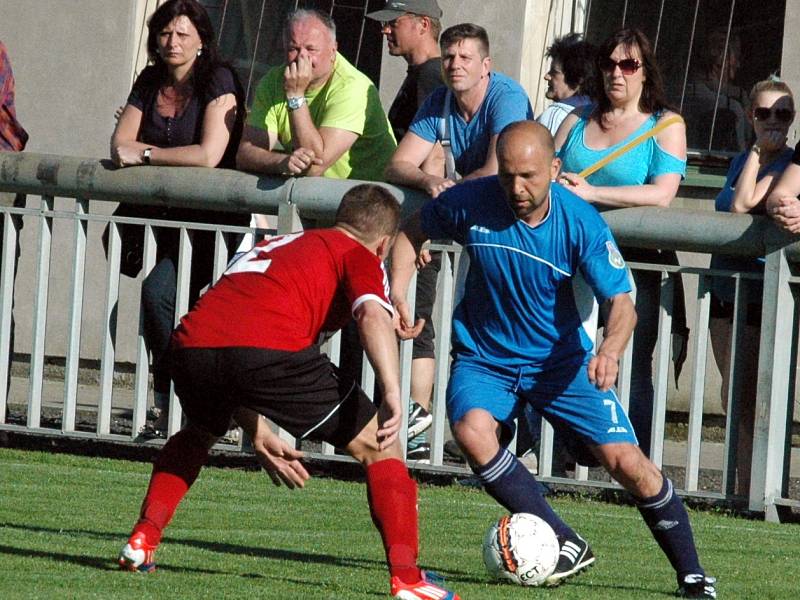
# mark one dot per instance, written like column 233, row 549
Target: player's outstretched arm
column 376, row 331
column 604, row 366
column 280, row 460
column 404, row 256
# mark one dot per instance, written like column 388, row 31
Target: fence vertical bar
column 772, row 399
column 696, row 393
column 184, row 273
column 109, row 340
column 40, row 311
column 442, row 351
column 288, row 222
column 72, row 362
column 9, row 249
column 141, row 382
column 661, row 374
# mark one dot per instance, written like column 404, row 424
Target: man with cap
column 412, row 31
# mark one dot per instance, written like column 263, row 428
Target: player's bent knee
column 364, row 447
column 476, row 434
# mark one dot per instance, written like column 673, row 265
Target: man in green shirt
column 318, row 114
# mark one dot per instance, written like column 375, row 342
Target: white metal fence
column 121, row 410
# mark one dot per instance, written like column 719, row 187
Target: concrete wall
column 73, row 65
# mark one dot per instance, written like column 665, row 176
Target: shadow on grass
column 220, row 547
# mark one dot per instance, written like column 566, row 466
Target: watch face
column 295, row 103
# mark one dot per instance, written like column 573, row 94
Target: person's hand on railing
column 299, row 162
column 423, row 258
column 785, row 211
column 128, row 154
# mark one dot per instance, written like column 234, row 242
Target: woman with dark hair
column 185, row 109
column 571, row 79
column 631, row 102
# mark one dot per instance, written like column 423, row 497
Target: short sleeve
column 346, row 106
column 365, row 279
column 223, row 81
column 262, row 114
column 143, row 89
column 663, row 163
column 426, row 121
column 796, row 155
column 510, row 105
column 445, row 217
column 602, row 264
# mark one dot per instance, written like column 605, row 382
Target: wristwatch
column 146, row 155
column 756, row 148
column 296, row 102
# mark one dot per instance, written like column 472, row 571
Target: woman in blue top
column 632, row 102
column 751, row 177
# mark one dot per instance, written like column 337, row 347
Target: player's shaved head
column 525, row 167
column 369, row 211
column 521, row 135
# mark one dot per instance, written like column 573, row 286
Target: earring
column 199, row 51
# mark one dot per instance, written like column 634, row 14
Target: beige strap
column 630, row 146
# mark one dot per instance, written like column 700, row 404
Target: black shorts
column 302, row 391
column 427, row 278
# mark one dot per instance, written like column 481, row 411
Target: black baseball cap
column 398, row 8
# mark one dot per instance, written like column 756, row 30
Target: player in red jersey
column 248, row 351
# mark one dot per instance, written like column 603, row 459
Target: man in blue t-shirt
column 520, row 336
column 471, row 110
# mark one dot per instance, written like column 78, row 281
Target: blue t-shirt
column 505, row 102
column 524, row 304
column 725, row 289
column 638, row 166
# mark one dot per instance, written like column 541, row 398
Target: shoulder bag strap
column 630, row 145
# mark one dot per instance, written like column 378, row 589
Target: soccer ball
column 521, row 548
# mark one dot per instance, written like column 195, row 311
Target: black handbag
column 132, row 236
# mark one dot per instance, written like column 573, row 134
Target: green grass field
column 63, row 519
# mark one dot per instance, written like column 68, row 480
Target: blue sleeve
column 663, row 163
column 601, row 262
column 426, row 121
column 724, row 200
column 511, row 106
column 444, row 217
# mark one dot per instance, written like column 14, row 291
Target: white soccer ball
column 521, row 548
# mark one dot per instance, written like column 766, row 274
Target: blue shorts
column 563, row 395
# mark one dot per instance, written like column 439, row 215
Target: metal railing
column 308, row 202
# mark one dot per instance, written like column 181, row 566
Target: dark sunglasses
column 784, row 115
column 628, row 66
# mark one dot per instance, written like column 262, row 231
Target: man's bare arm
column 405, row 166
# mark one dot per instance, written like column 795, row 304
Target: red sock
column 174, row 472
column 392, row 496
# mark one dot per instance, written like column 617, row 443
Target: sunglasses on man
column 628, row 66
column 784, row 115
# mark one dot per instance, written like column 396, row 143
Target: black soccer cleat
column 575, row 556
column 419, row 420
column 697, row 586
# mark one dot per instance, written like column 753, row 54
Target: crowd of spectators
column 318, row 115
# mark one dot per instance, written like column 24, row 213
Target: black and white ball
column 521, row 548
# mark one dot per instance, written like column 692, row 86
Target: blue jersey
column 505, row 102
column 523, row 305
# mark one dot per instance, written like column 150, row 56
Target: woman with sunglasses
column 751, row 177
column 631, row 102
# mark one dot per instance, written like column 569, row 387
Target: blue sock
column 666, row 517
column 512, row 485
